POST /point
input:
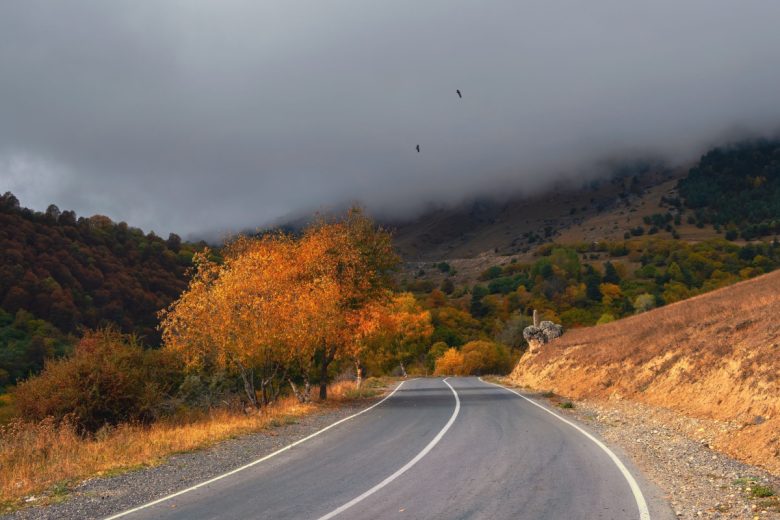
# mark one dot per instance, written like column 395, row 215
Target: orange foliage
column 260, row 309
column 475, row 358
column 404, row 326
column 450, row 364
column 277, row 301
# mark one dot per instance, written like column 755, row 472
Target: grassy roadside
column 43, row 460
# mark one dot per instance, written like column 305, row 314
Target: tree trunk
column 403, row 370
column 327, row 358
column 303, row 396
column 264, row 390
column 324, row 378
column 358, row 374
column 296, row 393
column 249, row 385
column 248, row 378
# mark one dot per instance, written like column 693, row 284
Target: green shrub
column 444, row 267
column 436, row 351
column 759, row 491
column 605, row 318
column 644, row 302
column 490, row 273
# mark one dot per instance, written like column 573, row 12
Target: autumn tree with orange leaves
column 280, row 305
column 245, row 314
column 359, row 258
column 401, row 335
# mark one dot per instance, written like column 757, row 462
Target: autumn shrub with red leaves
column 108, row 379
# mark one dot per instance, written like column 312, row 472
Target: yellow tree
column 358, row 258
column 365, row 327
column 404, row 330
column 314, row 318
column 276, row 304
column 450, row 363
column 244, row 314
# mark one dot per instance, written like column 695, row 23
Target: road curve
column 435, row 449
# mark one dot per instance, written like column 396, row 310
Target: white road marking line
column 253, row 463
column 641, row 504
column 406, row 466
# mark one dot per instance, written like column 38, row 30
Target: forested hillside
column 582, row 284
column 737, row 188
column 60, row 274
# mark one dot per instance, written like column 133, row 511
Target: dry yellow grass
column 714, row 356
column 35, row 458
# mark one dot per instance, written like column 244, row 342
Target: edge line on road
column 641, row 503
column 406, row 466
column 255, row 462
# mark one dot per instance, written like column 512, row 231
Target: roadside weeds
column 41, row 463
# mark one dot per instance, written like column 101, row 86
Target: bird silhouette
column 459, row 94
column 418, row 148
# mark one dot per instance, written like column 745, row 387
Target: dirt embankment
column 716, row 356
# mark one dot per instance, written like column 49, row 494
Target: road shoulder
column 674, row 455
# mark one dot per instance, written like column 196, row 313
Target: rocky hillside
column 714, row 356
column 599, row 209
column 732, row 191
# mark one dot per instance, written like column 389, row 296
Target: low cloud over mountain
column 199, row 116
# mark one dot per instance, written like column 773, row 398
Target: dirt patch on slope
column 712, row 357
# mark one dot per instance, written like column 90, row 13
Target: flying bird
column 418, row 148
column 459, row 94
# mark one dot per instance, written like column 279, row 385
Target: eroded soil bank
column 713, row 357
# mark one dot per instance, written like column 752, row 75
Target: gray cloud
column 196, row 115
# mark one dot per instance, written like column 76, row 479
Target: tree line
column 76, row 273
column 271, row 315
column 581, row 285
column 736, row 188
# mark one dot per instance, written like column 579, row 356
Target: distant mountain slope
column 520, row 223
column 711, row 356
column 78, row 272
column 731, row 192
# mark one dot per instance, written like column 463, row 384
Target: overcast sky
column 195, row 115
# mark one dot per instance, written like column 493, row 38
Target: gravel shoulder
column 676, row 453
column 102, row 496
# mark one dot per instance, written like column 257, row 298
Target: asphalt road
column 435, row 449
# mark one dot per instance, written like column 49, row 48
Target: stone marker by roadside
column 541, row 333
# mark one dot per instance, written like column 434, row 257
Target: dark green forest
column 60, row 274
column 737, row 188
